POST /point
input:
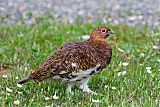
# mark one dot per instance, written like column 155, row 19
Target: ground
column 132, row 12
column 132, row 78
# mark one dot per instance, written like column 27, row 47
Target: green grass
column 24, row 48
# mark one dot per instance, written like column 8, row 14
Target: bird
column 76, row 63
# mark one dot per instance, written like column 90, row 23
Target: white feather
column 84, row 73
column 74, row 65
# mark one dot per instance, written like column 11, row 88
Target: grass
column 23, row 48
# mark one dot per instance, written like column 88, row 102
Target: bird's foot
column 69, row 88
column 85, row 88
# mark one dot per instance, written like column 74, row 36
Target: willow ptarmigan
column 75, row 63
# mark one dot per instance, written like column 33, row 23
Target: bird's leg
column 84, row 87
column 69, row 87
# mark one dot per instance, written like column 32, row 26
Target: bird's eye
column 103, row 31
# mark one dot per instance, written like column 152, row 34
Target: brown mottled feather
column 85, row 54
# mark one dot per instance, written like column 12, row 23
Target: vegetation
column 132, row 78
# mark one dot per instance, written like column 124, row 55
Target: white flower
column 85, row 37
column 158, row 60
column 31, row 100
column 17, row 102
column 8, row 94
column 47, row 106
column 149, row 71
column 4, row 76
column 16, row 78
column 19, row 92
column 124, row 72
column 125, row 64
column 19, row 85
column 106, row 86
column 9, row 90
column 142, row 55
column 119, row 49
column 113, row 88
column 21, row 34
column 95, row 101
column 55, row 97
column 155, row 47
column 47, row 98
column 152, row 76
column 119, row 73
column 148, row 68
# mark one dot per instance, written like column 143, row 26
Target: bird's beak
column 111, row 32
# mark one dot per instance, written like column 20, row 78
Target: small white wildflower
column 19, row 92
column 19, row 85
column 119, row 49
column 125, row 63
column 142, row 55
column 119, row 74
column 158, row 60
column 155, row 47
column 149, row 71
column 55, row 97
column 9, row 90
column 113, row 88
column 20, row 34
column 124, row 72
column 85, row 37
column 4, row 76
column 47, row 98
column 8, row 94
column 31, row 100
column 47, row 106
column 95, row 101
column 106, row 86
column 148, row 68
column 16, row 102
column 68, row 32
column 16, row 78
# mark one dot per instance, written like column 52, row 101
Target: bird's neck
column 99, row 41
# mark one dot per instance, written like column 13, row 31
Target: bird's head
column 101, row 33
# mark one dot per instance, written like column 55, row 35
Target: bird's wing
column 70, row 58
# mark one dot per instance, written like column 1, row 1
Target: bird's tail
column 24, row 80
